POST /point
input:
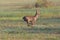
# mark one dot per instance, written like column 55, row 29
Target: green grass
column 47, row 27
column 17, row 29
column 27, row 36
column 19, row 13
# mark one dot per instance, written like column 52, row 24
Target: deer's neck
column 36, row 16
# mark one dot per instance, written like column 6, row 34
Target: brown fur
column 31, row 19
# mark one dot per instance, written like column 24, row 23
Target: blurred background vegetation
column 28, row 3
column 19, row 8
column 12, row 26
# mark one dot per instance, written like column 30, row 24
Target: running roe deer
column 31, row 19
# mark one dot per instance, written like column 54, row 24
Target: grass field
column 12, row 26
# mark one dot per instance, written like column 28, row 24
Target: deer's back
column 29, row 18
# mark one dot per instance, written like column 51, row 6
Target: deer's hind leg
column 33, row 22
column 28, row 23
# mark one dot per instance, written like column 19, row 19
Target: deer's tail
column 24, row 18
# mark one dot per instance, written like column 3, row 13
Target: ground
column 47, row 27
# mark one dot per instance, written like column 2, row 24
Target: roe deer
column 31, row 19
